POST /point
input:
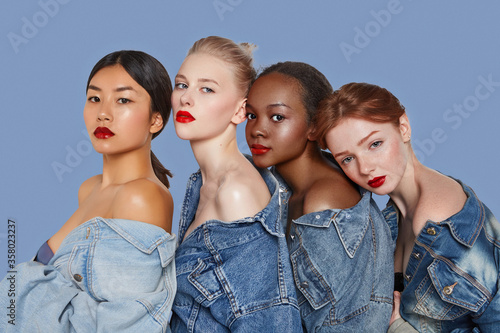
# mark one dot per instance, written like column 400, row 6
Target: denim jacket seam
column 460, row 272
column 301, row 251
column 160, row 239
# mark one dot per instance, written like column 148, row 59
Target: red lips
column 103, row 133
column 257, row 149
column 377, row 181
column 184, row 117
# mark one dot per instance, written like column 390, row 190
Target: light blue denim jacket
column 108, row 275
column 452, row 278
column 234, row 276
column 343, row 266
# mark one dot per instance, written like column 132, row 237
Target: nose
column 258, row 128
column 186, row 98
column 105, row 112
column 366, row 166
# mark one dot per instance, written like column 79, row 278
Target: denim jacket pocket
column 309, row 281
column 444, row 294
column 204, row 279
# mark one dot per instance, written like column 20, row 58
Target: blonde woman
column 233, row 268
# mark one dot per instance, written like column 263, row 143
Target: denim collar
column 465, row 225
column 143, row 236
column 268, row 217
column 351, row 223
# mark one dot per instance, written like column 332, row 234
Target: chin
column 260, row 162
column 182, row 134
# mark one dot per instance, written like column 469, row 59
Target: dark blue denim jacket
column 234, row 276
column 343, row 266
column 452, row 278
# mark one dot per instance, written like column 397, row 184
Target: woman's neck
column 297, row 172
column 125, row 167
column 407, row 193
column 216, row 155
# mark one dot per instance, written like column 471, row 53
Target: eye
column 123, row 100
column 207, row 90
column 277, row 117
column 181, row 85
column 346, row 160
column 93, row 99
column 376, row 144
column 250, row 116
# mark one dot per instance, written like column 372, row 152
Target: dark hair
column 314, row 85
column 357, row 100
column 150, row 74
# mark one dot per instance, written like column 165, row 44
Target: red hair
column 356, row 100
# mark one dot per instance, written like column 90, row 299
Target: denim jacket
column 108, row 275
column 343, row 266
column 234, row 276
column 452, row 278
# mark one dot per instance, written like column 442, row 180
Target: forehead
column 275, row 88
column 203, row 65
column 350, row 131
column 113, row 73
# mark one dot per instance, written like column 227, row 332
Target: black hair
column 150, row 74
column 314, row 85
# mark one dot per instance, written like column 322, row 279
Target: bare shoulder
column 333, row 191
column 145, row 200
column 87, row 187
column 441, row 197
column 242, row 194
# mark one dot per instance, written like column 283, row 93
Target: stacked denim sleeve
column 452, row 279
column 343, row 267
column 234, row 276
column 108, row 275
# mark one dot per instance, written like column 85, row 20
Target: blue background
column 434, row 56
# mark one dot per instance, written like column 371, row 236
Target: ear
column 405, row 128
column 240, row 114
column 156, row 123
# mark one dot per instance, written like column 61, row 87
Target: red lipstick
column 103, row 133
column 257, row 149
column 377, row 181
column 184, row 117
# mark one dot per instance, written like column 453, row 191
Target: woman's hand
column 395, row 307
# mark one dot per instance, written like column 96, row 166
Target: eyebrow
column 363, row 140
column 270, row 106
column 182, row 77
column 119, row 89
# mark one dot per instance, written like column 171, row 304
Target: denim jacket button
column 416, row 255
column 78, row 277
column 449, row 289
column 407, row 277
column 431, row 231
column 318, row 217
column 304, row 285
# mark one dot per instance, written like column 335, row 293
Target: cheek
column 397, row 156
column 249, row 129
column 175, row 99
column 88, row 118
